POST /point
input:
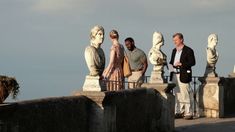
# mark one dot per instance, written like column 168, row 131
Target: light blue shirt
column 177, row 57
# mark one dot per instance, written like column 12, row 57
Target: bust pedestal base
column 231, row 75
column 211, row 95
column 156, row 77
column 93, row 83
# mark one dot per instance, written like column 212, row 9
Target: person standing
column 114, row 71
column 138, row 63
column 182, row 59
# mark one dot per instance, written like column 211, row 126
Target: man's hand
column 178, row 64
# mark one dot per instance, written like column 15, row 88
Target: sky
column 42, row 42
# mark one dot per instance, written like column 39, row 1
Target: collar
column 134, row 50
column 178, row 49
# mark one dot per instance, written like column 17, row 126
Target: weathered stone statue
column 211, row 90
column 95, row 60
column 157, row 81
column 157, row 58
column 212, row 56
column 94, row 54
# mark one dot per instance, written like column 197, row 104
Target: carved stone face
column 212, row 40
column 158, row 40
column 99, row 37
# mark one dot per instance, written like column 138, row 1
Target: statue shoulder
column 164, row 55
column 100, row 51
column 210, row 51
column 151, row 50
column 90, row 49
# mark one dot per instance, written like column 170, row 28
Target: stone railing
column 140, row 110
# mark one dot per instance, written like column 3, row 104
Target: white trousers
column 135, row 80
column 183, row 97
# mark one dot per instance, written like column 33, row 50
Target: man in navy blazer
column 182, row 59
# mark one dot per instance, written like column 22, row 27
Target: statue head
column 97, row 35
column 158, row 40
column 212, row 41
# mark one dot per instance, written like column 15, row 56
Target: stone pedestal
column 211, row 97
column 167, row 119
column 157, row 77
column 229, row 98
column 96, row 110
column 160, row 87
column 210, row 72
column 93, row 83
column 232, row 75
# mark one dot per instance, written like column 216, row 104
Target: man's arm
column 145, row 66
column 144, row 63
column 190, row 60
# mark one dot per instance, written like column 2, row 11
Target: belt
column 136, row 70
column 176, row 72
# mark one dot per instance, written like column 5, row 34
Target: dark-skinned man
column 138, row 63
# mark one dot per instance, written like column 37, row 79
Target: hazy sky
column 43, row 41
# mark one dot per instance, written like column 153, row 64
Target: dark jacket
column 188, row 60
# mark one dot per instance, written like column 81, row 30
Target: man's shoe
column 188, row 117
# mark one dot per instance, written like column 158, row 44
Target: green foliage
column 10, row 85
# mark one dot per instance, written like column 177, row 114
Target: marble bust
column 95, row 60
column 212, row 56
column 157, row 58
column 94, row 54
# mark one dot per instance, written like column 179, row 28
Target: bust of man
column 94, row 54
column 212, row 55
column 156, row 56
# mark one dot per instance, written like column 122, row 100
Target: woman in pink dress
column 114, row 71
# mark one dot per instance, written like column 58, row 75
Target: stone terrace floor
column 205, row 125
